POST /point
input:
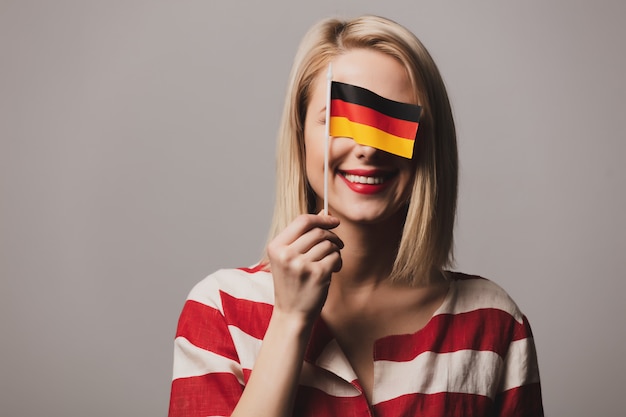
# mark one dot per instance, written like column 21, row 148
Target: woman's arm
column 520, row 392
column 273, row 382
column 302, row 259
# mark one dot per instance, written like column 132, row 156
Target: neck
column 369, row 252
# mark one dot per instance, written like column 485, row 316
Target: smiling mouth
column 377, row 179
column 361, row 179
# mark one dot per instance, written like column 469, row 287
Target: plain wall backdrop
column 137, row 156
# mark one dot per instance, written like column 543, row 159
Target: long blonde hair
column 426, row 245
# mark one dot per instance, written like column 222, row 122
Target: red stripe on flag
column 484, row 329
column 207, row 395
column 206, row 328
column 370, row 117
column 251, row 317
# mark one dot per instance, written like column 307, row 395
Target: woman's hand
column 302, row 259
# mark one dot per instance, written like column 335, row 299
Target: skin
column 355, row 246
column 386, row 77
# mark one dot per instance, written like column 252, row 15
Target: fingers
column 306, row 239
column 304, row 223
column 317, row 241
column 302, row 259
column 331, row 262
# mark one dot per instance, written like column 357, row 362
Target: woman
column 352, row 313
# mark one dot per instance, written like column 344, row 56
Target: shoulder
column 473, row 292
column 250, row 284
column 483, row 311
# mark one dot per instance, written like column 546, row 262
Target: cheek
column 313, row 155
column 407, row 174
column 314, row 133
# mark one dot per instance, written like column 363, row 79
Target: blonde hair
column 427, row 238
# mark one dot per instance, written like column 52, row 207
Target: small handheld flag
column 372, row 120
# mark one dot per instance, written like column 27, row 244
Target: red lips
column 367, row 181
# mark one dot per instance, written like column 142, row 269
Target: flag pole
column 329, row 78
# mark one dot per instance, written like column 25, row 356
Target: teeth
column 359, row 179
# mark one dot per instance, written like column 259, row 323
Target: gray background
column 137, row 151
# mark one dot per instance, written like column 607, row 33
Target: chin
column 370, row 216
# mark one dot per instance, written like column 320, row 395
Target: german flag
column 373, row 120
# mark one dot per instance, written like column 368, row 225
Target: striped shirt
column 475, row 357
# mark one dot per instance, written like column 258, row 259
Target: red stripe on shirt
column 524, row 331
column 320, row 337
column 206, row 328
column 207, row 395
column 262, row 267
column 483, row 329
column 314, row 402
column 435, row 405
column 524, row 401
column 251, row 317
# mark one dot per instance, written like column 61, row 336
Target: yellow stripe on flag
column 371, row 136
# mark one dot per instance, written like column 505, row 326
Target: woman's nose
column 366, row 152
